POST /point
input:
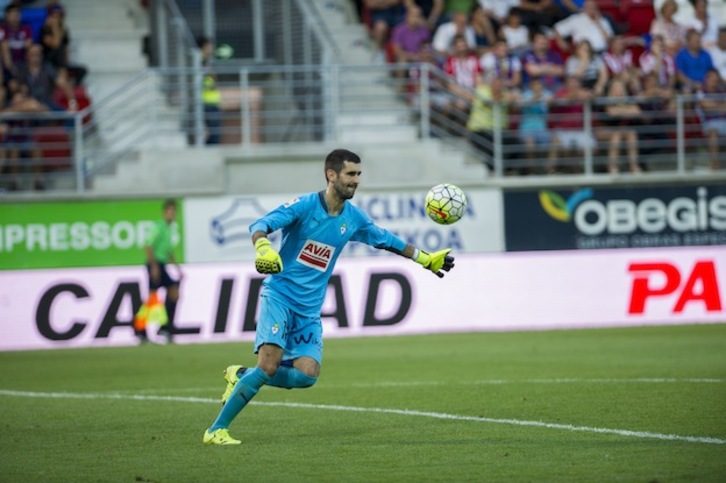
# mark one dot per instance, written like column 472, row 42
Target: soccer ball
column 445, row 203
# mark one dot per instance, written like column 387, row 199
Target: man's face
column 722, row 40
column 414, row 16
column 590, row 8
column 541, row 43
column 694, row 41
column 346, row 182
column 169, row 214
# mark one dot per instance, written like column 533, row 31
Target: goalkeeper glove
column 436, row 261
column 268, row 260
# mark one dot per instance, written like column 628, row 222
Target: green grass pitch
column 633, row 405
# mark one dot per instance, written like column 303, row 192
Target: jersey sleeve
column 378, row 237
column 282, row 216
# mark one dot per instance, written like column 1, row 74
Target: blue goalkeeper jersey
column 311, row 243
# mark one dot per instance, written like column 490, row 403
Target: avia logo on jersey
column 316, row 255
column 666, row 280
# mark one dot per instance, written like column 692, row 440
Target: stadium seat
column 35, row 18
column 611, row 8
column 638, row 15
column 55, row 147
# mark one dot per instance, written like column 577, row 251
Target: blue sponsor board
column 598, row 218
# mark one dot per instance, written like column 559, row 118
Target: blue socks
column 249, row 385
column 245, row 389
column 289, row 378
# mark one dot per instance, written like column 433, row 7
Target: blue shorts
column 296, row 334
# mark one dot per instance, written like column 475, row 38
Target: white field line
column 400, row 412
column 319, row 386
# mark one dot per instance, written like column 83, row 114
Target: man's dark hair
column 168, row 203
column 12, row 6
column 337, row 158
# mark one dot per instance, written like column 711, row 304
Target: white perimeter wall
column 485, row 292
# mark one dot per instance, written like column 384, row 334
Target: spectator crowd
column 37, row 78
column 543, row 60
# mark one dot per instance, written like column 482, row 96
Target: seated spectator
column 22, row 154
column 658, row 106
column 15, row 39
column 483, row 121
column 42, row 79
column 515, row 34
column 502, row 64
column 432, row 10
column 588, row 68
column 658, row 62
column 589, row 25
column 704, row 23
column 464, row 69
column 692, row 63
column 543, row 63
column 497, row 11
column 712, row 104
column 665, row 26
column 621, row 116
column 385, row 14
column 567, row 118
column 483, row 30
column 619, row 63
column 718, row 53
column 408, row 36
column 458, row 26
column 55, row 39
column 533, row 130
column 536, row 14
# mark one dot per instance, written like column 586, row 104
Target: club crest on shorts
column 275, row 328
column 343, row 228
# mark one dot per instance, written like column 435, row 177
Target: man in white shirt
column 589, row 25
column 444, row 36
column 718, row 53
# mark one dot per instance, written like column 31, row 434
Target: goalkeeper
column 315, row 228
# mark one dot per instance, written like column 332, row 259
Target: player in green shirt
column 159, row 253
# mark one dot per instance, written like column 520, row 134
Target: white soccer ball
column 445, row 203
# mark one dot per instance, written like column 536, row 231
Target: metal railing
column 293, row 104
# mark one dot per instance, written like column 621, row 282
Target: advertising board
column 601, row 218
column 79, row 233
column 379, row 296
column 216, row 228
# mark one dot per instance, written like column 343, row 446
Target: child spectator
column 692, row 63
column 567, row 116
column 15, row 39
column 533, row 131
column 665, row 26
column 515, row 34
column 588, row 68
column 483, row 120
column 543, row 63
column 621, row 116
column 502, row 64
column 712, row 104
column 658, row 62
